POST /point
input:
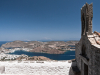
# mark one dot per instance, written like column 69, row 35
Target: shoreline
column 8, row 57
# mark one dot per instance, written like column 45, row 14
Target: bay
column 66, row 56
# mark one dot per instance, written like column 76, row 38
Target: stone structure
column 87, row 60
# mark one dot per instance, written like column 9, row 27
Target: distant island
column 51, row 47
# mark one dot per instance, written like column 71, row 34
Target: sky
column 33, row 20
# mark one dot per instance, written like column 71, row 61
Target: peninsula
column 51, row 47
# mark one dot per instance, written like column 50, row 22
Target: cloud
column 46, row 38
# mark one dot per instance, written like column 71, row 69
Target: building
column 87, row 54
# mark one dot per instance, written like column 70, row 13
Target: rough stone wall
column 96, row 60
column 77, row 52
column 71, row 72
column 97, row 64
column 86, row 19
column 93, row 54
column 81, row 60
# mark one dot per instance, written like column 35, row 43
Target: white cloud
column 46, row 38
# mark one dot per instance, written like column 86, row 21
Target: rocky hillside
column 35, row 58
column 21, row 44
column 51, row 47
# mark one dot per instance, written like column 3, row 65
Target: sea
column 68, row 55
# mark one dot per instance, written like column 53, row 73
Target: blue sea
column 66, row 56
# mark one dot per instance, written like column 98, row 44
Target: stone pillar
column 86, row 19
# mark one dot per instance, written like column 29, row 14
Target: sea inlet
column 68, row 55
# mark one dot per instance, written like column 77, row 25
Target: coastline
column 5, row 56
column 51, row 47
